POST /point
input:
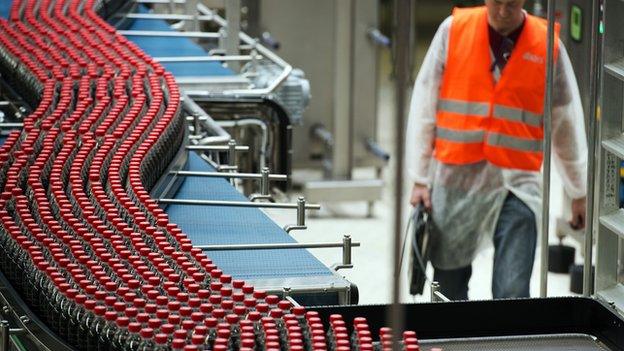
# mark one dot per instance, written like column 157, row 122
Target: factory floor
column 372, row 271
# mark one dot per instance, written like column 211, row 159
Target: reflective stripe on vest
column 464, row 108
column 460, row 136
column 517, row 115
column 519, row 144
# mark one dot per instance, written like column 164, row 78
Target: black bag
column 419, row 251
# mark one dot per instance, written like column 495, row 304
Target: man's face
column 505, row 15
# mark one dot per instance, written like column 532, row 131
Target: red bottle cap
column 161, row 339
column 154, row 323
column 210, row 322
column 180, row 334
column 162, row 313
column 167, row 328
column 201, row 330
column 147, row 333
column 123, row 322
column 178, row 343
column 110, row 316
column 188, row 325
column 174, row 319
column 134, row 327
column 272, row 299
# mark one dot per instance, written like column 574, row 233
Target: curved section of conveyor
column 82, row 241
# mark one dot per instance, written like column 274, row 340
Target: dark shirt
column 502, row 45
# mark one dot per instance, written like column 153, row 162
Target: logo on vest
column 533, row 58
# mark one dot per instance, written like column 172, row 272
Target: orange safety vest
column 478, row 119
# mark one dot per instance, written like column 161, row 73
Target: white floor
column 373, row 260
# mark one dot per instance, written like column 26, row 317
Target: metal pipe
column 301, row 207
column 232, row 30
column 190, row 7
column 547, row 146
column 194, row 202
column 273, row 177
column 591, row 152
column 253, row 122
column 264, row 181
column 160, row 1
column 289, row 298
column 162, row 33
column 216, row 148
column 433, row 288
column 163, row 16
column 403, row 17
column 174, row 59
column 346, row 250
column 276, row 246
column 218, row 51
column 4, row 336
column 232, row 157
column 440, row 297
column 9, row 125
column 287, row 68
column 219, row 135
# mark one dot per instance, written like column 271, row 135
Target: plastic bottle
column 84, row 337
column 67, row 303
column 147, row 342
column 134, row 337
column 76, row 311
column 160, row 342
column 105, row 337
column 121, row 334
column 211, row 324
column 96, row 327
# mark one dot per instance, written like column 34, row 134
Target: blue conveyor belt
column 206, row 225
column 169, row 47
column 5, row 8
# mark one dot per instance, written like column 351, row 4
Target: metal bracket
column 347, row 244
column 287, row 292
column 436, row 295
column 264, row 188
column 231, row 148
column 301, row 207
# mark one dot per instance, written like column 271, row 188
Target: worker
column 474, row 142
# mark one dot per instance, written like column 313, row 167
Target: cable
column 414, row 214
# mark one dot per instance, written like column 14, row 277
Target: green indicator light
column 576, row 23
column 601, row 28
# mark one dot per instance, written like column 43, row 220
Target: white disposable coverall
column 467, row 199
